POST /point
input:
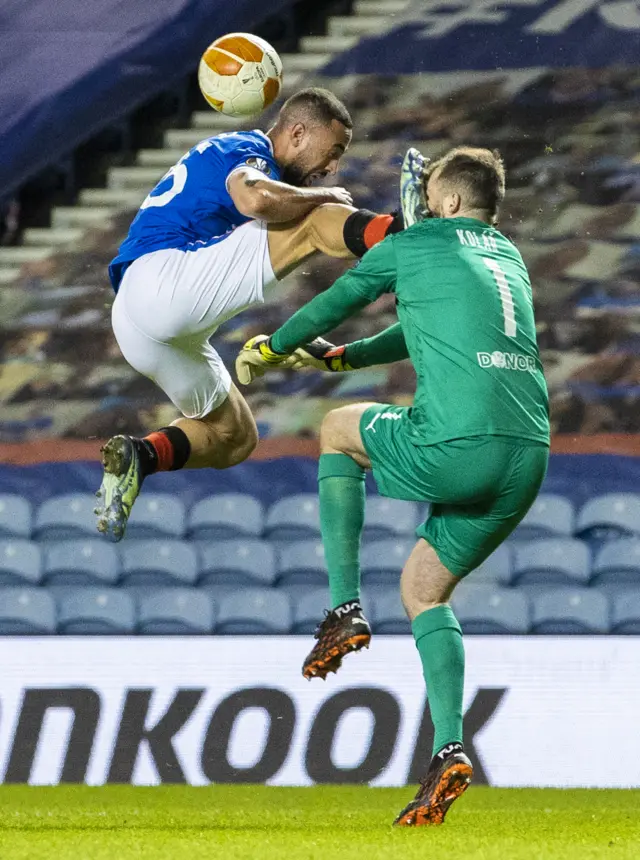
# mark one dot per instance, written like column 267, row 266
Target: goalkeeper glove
column 256, row 357
column 321, row 355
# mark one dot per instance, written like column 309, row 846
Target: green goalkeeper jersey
column 465, row 309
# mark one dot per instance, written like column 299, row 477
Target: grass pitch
column 322, row 823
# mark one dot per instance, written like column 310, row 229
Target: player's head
column 312, row 132
column 466, row 181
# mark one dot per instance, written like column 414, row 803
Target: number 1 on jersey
column 506, row 298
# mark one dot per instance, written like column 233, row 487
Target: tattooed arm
column 257, row 196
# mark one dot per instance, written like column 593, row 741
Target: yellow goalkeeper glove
column 321, row 355
column 256, row 357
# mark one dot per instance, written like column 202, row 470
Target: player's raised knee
column 330, row 427
column 244, row 447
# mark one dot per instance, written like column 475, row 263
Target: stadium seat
column 610, row 516
column 382, row 561
column 81, row 562
column 617, row 563
column 570, row 611
column 236, row 562
column 495, row 570
column 175, row 611
column 26, row 611
column 294, row 518
column 159, row 563
column 302, row 563
column 20, row 562
column 625, row 612
column 552, row 561
column 389, row 518
column 308, row 610
column 66, row 517
column 157, row 515
column 256, row 611
column 386, row 612
column 225, row 516
column 15, row 516
column 549, row 516
column 484, row 610
column 96, row 611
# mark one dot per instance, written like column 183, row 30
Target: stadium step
column 23, row 254
column 59, row 237
column 380, row 7
column 81, row 216
column 117, row 198
column 165, row 158
column 351, row 28
column 328, row 44
column 295, row 63
column 133, row 177
column 184, row 138
column 9, row 274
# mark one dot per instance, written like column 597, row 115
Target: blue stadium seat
column 157, row 515
column 96, row 611
column 226, row 516
column 26, row 611
column 302, row 563
column 549, row 516
column 236, row 562
column 386, row 612
column 15, row 516
column 159, row 563
column 81, row 562
column 610, row 516
column 256, row 611
column 552, row 561
column 175, row 611
column 485, row 611
column 66, row 517
column 389, row 518
column 20, row 562
column 495, row 570
column 570, row 611
column 625, row 612
column 294, row 518
column 308, row 610
column 617, row 563
column 382, row 561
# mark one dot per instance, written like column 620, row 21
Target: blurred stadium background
column 555, row 85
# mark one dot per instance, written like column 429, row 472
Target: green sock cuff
column 438, row 618
column 339, row 466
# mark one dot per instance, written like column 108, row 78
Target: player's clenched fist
column 256, row 357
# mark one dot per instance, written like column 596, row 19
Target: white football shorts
column 171, row 301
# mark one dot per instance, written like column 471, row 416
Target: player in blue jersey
column 233, row 216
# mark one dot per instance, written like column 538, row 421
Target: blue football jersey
column 191, row 206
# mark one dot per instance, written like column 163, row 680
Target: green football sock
column 439, row 641
column 342, row 495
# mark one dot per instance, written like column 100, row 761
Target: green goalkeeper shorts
column 480, row 488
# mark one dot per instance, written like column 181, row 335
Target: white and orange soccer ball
column 240, row 74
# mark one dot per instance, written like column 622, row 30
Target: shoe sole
column 454, row 781
column 408, row 177
column 332, row 659
column 112, row 519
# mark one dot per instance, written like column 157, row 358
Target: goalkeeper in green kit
column 475, row 443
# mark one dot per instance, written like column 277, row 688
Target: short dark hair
column 479, row 173
column 315, row 104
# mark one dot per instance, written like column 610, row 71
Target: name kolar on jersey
column 472, row 240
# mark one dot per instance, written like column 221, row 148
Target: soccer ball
column 240, row 74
